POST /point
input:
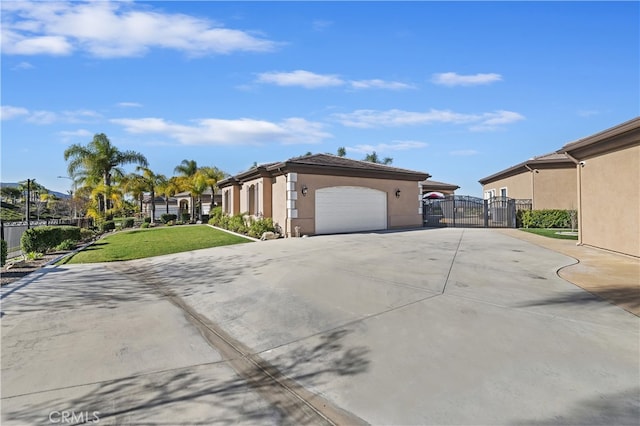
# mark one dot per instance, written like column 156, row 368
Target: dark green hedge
column 547, row 219
column 45, row 238
column 168, row 217
column 4, row 251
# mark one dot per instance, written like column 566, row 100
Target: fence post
column 485, row 204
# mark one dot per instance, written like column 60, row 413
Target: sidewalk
column 612, row 277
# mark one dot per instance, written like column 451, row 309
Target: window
column 489, row 194
column 503, row 192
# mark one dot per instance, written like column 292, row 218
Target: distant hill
column 15, row 185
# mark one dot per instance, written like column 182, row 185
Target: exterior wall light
column 304, row 190
column 398, row 193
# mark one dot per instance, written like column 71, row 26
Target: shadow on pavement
column 186, row 393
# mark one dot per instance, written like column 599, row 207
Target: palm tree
column 373, row 158
column 342, row 151
column 168, row 189
column 212, row 175
column 135, row 185
column 187, row 170
column 99, row 159
column 151, row 181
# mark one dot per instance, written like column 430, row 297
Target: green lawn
column 551, row 233
column 141, row 243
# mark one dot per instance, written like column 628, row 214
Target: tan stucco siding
column 401, row 212
column 231, row 200
column 279, row 202
column 518, row 186
column 261, row 198
column 610, row 206
column 555, row 189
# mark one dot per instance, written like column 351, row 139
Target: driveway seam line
column 453, row 261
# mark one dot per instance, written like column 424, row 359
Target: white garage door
column 350, row 209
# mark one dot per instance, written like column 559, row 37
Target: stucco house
column 547, row 180
column 435, row 186
column 607, row 178
column 325, row 194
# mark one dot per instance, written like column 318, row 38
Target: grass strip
column 142, row 243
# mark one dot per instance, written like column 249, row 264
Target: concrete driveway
column 443, row 326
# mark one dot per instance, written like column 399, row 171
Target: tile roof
column 550, row 158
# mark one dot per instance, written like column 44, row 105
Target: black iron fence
column 472, row 212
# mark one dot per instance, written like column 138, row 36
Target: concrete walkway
column 428, row 327
column 613, row 277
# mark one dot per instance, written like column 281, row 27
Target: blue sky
column 459, row 90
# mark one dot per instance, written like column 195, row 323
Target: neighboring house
column 435, row 186
column 184, row 198
column 608, row 187
column 161, row 206
column 548, row 181
column 325, row 194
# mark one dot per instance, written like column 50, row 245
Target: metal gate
column 463, row 211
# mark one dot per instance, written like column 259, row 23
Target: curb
column 234, row 233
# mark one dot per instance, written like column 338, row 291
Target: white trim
column 505, row 191
column 291, row 186
column 292, row 213
column 292, row 177
column 292, row 195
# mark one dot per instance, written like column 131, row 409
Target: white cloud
column 115, row 29
column 380, row 84
column 212, row 131
column 75, row 133
column 306, row 79
column 454, row 79
column 8, row 112
column 42, row 117
column 129, row 105
column 463, row 152
column 386, row 147
column 23, row 66
column 311, row 80
column 321, row 25
column 366, row 118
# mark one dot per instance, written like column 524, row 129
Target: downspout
column 533, row 187
column 579, row 177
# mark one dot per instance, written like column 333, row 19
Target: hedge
column 547, row 219
column 167, row 217
column 4, row 251
column 45, row 238
column 241, row 223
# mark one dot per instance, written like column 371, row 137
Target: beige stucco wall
column 263, row 204
column 555, row 188
column 550, row 187
column 279, row 202
column 401, row 212
column 518, row 186
column 610, row 206
column 233, row 198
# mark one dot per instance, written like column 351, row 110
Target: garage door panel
column 350, row 209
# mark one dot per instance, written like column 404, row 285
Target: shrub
column 166, row 217
column 147, row 220
column 260, row 226
column 551, row 218
column 236, row 224
column 45, row 238
column 216, row 215
column 86, row 234
column 66, row 245
column 128, row 222
column 145, row 225
column 185, row 217
column 107, row 226
column 3, row 252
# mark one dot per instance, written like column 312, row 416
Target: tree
column 342, row 151
column 99, row 160
column 187, row 170
column 151, row 182
column 168, row 189
column 373, row 158
column 212, row 175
